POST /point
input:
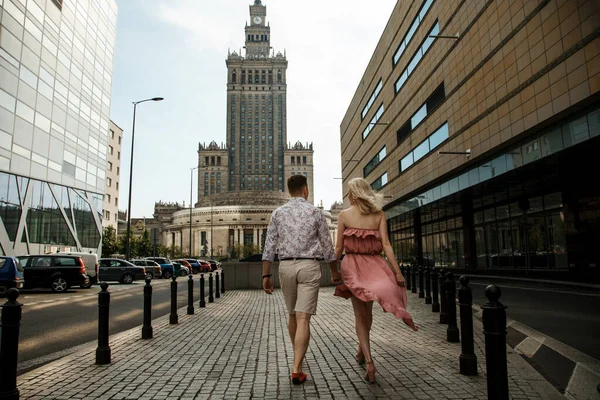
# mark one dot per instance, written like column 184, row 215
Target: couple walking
column 299, row 230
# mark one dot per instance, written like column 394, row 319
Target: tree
column 110, row 243
column 133, row 243
column 144, row 245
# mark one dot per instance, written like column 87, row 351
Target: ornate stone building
column 241, row 182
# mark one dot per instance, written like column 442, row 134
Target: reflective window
column 372, row 99
column 421, row 150
column 380, row 182
column 419, row 54
column 373, row 121
column 418, row 116
column 437, row 137
column 374, row 162
column 412, row 29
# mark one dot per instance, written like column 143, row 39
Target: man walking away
column 300, row 232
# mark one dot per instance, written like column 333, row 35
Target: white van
column 90, row 260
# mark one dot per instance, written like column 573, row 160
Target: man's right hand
column 336, row 277
column 268, row 285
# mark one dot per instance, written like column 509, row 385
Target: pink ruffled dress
column 367, row 275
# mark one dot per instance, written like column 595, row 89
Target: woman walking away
column 362, row 235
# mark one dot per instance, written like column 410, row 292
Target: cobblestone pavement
column 238, row 348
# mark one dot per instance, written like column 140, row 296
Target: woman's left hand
column 400, row 279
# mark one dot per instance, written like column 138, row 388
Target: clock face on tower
column 257, row 20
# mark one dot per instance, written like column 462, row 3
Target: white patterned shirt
column 299, row 230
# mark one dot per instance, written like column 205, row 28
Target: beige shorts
column 300, row 281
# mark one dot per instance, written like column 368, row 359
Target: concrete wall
column 247, row 275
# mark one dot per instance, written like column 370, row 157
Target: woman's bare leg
column 361, row 320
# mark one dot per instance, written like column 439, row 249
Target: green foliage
column 144, row 245
column 110, row 243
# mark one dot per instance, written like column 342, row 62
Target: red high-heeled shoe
column 298, row 378
column 370, row 375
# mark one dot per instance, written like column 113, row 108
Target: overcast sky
column 177, row 49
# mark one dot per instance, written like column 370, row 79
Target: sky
column 176, row 49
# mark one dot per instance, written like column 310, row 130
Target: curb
column 549, row 281
column 573, row 373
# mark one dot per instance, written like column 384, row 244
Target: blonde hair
column 367, row 201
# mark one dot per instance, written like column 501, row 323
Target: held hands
column 268, row 285
column 336, row 277
column 400, row 279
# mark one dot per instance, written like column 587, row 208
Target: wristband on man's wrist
column 266, row 276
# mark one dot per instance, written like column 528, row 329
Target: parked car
column 115, row 269
column 90, row 260
column 180, row 269
column 214, row 264
column 194, row 264
column 165, row 265
column 11, row 274
column 204, row 266
column 153, row 269
column 56, row 271
column 186, row 264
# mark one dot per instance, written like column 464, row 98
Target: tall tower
column 256, row 110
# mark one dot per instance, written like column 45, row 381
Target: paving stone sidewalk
column 238, row 348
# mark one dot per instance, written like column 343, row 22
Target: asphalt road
column 568, row 314
column 54, row 323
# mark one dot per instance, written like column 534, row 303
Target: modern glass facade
column 56, row 64
column 522, row 210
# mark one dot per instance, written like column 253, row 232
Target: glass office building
column 56, row 62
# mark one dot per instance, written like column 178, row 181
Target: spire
column 257, row 3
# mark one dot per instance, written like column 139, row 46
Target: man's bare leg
column 301, row 339
column 292, row 328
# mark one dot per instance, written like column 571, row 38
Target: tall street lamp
column 128, row 234
column 191, row 207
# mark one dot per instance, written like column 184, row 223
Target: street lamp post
column 128, row 233
column 191, row 207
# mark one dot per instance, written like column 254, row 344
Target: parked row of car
column 61, row 271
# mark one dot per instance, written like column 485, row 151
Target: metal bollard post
column 421, row 288
column 435, row 305
column 408, row 278
column 9, row 345
column 222, row 281
column 202, row 302
column 494, row 328
column 467, row 359
column 452, row 333
column 442, row 282
column 103, row 352
column 211, row 299
column 427, row 285
column 413, row 288
column 217, row 291
column 173, row 317
column 190, row 309
column 147, row 327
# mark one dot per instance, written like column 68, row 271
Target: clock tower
column 258, row 33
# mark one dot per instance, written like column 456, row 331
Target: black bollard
column 435, row 305
column 173, row 317
column 413, row 284
column 442, row 282
column 103, row 352
column 147, row 327
column 190, row 309
column 427, row 285
column 408, row 278
column 421, row 285
column 222, row 281
column 467, row 359
column 9, row 345
column 452, row 333
column 211, row 299
column 494, row 328
column 217, row 291
column 202, row 302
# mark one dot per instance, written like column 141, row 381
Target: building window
column 234, row 77
column 425, row 147
column 419, row 54
column 110, row 166
column 58, row 3
column 117, row 186
column 108, row 198
column 118, row 171
column 118, row 155
column 279, row 76
column 380, row 182
column 108, row 182
column 411, row 31
column 119, row 139
column 116, row 201
column 374, row 162
column 304, row 160
column 373, row 121
column 371, row 99
column 112, row 134
column 110, row 150
column 435, row 99
column 293, row 160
